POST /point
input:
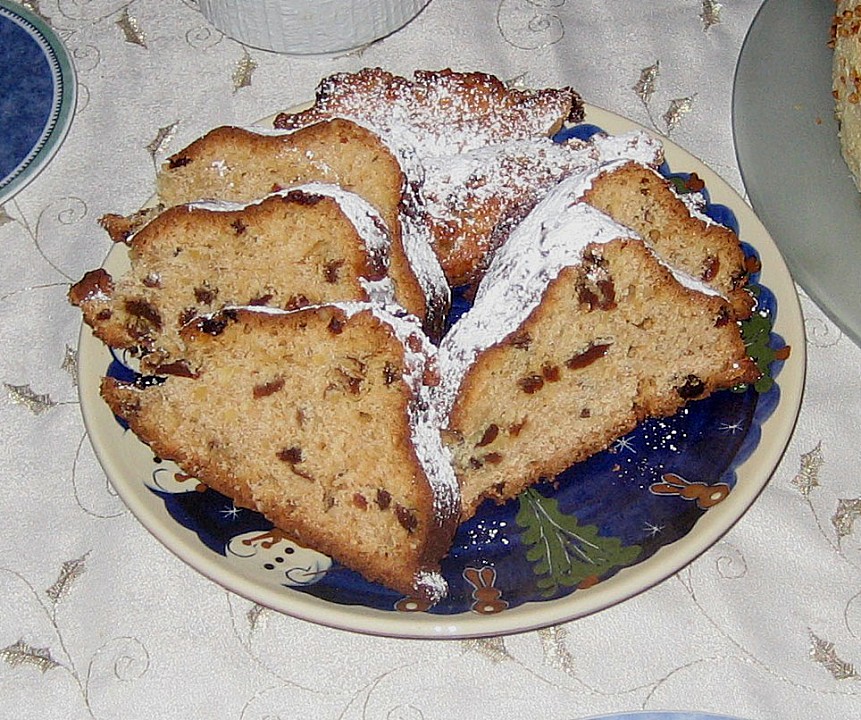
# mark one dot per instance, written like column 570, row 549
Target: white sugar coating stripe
column 695, row 202
column 509, row 168
column 552, row 213
column 553, row 236
column 692, row 202
column 682, row 277
column 415, row 235
column 403, row 150
column 415, row 232
column 364, row 216
column 425, row 420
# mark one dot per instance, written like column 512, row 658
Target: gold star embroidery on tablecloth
column 162, row 138
column 23, row 654
column 70, row 571
column 710, row 14
column 491, row 647
column 244, row 70
column 645, row 89
column 131, row 30
column 556, row 652
column 25, row 395
column 807, row 477
column 70, row 364
column 848, row 511
column 645, row 85
column 33, row 7
column 679, row 107
column 823, row 653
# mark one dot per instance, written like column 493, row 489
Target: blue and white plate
column 37, row 96
column 601, row 532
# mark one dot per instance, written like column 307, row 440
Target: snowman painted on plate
column 257, row 550
column 277, row 559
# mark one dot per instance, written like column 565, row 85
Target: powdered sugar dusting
column 439, row 112
column 421, row 357
column 553, row 236
column 415, row 232
column 693, row 202
column 421, row 361
column 432, row 585
column 517, row 172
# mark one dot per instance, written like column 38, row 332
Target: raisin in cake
column 578, row 332
column 241, row 165
column 846, row 81
column 319, row 419
column 640, row 198
column 313, row 244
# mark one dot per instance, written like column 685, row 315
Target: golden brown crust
column 465, row 242
column 120, row 228
column 240, row 165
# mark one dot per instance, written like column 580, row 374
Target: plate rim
column 627, row 583
column 63, row 109
column 804, row 272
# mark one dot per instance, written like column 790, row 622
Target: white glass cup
column 306, row 27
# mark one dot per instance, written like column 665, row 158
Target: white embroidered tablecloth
column 99, row 620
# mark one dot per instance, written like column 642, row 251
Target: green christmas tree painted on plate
column 563, row 552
